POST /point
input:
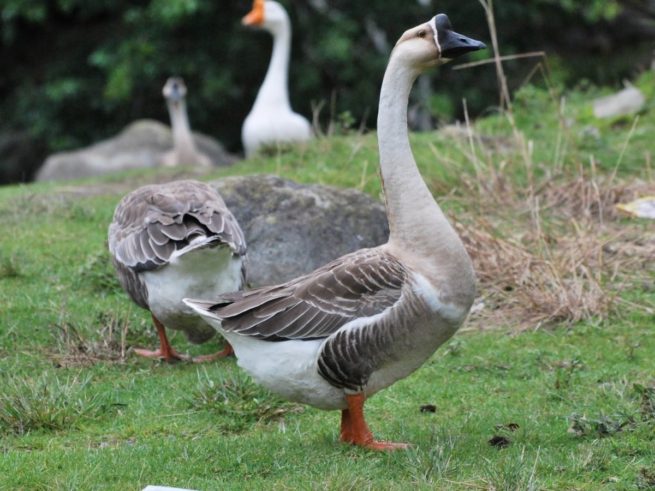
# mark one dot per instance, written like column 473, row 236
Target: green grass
column 574, row 404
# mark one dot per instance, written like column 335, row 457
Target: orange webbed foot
column 355, row 431
column 165, row 351
column 224, row 353
column 171, row 356
column 386, row 446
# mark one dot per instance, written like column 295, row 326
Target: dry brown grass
column 591, row 197
column 565, row 252
column 563, row 262
column 74, row 348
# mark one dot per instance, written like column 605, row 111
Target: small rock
column 628, row 101
column 640, row 208
column 591, row 133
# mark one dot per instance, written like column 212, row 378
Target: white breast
column 200, row 273
column 287, row 368
column 268, row 127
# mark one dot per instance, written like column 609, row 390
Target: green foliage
column 83, row 70
column 592, row 11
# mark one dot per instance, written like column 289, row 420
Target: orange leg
column 346, row 426
column 227, row 351
column 354, row 429
column 165, row 351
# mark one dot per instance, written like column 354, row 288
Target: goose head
column 266, row 14
column 174, row 90
column 434, row 43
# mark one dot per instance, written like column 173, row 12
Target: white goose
column 170, row 241
column 184, row 148
column 271, row 119
column 338, row 335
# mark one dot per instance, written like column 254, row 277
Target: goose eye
column 421, row 33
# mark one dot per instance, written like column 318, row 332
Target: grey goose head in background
column 170, row 241
column 338, row 335
column 184, row 150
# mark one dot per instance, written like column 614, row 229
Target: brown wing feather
column 361, row 284
column 154, row 221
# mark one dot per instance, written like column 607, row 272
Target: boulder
column 213, row 149
column 140, row 145
column 628, row 101
column 292, row 229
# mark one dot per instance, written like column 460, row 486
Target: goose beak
column 256, row 16
column 454, row 44
column 174, row 90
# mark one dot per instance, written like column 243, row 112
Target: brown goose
column 338, row 335
column 174, row 240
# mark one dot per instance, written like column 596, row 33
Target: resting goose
column 184, row 148
column 174, row 240
column 336, row 336
column 271, row 119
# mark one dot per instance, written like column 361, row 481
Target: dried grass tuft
column 532, row 284
column 591, row 198
column 564, row 255
column 75, row 349
column 546, row 270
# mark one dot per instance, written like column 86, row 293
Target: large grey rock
column 292, row 229
column 142, row 144
column 628, row 101
column 214, row 150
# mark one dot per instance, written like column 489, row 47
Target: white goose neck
column 274, row 90
column 416, row 221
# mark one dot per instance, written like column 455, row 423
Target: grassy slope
column 146, row 424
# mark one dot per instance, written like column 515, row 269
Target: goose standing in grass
column 271, row 120
column 170, row 241
column 184, row 148
column 338, row 335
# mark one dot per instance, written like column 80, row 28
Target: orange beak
column 256, row 16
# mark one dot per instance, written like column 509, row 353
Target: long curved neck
column 183, row 142
column 416, row 221
column 274, row 90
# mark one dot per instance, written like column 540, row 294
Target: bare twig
column 531, row 54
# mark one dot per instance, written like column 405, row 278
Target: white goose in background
column 169, row 241
column 338, row 335
column 184, row 148
column 271, row 120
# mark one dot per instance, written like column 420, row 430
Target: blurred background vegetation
column 75, row 71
